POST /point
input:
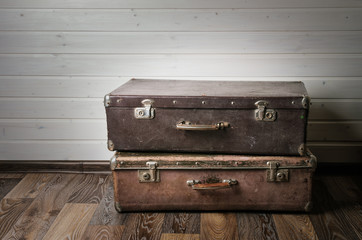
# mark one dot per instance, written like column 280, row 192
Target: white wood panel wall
column 59, row 58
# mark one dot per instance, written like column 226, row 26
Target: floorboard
column 81, row 206
column 106, row 213
column 71, row 222
column 218, row 226
column 90, row 189
column 6, row 185
column 10, row 211
column 181, row 223
column 291, row 226
column 327, row 222
column 103, row 232
column 143, row 226
column 30, row 186
column 40, row 215
column 348, row 199
column 179, row 236
column 256, row 226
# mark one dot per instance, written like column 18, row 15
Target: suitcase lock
column 149, row 175
column 145, row 112
column 274, row 174
column 263, row 114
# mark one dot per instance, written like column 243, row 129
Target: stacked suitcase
column 209, row 145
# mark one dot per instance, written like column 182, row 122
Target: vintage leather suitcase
column 180, row 181
column 260, row 118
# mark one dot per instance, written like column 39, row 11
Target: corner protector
column 110, row 145
column 308, row 207
column 113, row 162
column 301, row 149
column 306, row 101
column 313, row 159
column 107, row 100
column 117, row 206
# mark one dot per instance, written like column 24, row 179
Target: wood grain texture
column 40, row 215
column 91, row 189
column 348, row 198
column 106, row 213
column 202, row 20
column 254, row 65
column 6, row 184
column 143, row 226
column 93, row 87
column 256, row 226
column 218, row 226
column 30, row 186
column 10, row 210
column 181, row 42
column 181, row 223
column 193, row 4
column 102, row 232
column 12, row 175
column 343, row 189
column 71, row 222
column 328, row 223
column 178, row 236
column 294, row 227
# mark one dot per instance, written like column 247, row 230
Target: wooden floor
column 80, row 206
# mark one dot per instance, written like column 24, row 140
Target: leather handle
column 188, row 126
column 197, row 185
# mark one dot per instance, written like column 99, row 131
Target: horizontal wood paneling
column 219, row 65
column 52, row 108
column 97, row 150
column 96, row 129
column 181, row 42
column 54, row 150
column 92, row 108
column 59, row 58
column 181, row 20
column 36, row 129
column 97, row 87
column 178, row 4
column 335, row 131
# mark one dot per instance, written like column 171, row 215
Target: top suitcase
column 239, row 117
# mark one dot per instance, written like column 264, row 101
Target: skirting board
column 55, row 166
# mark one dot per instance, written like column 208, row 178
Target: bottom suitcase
column 169, row 181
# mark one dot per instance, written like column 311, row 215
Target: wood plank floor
column 80, row 206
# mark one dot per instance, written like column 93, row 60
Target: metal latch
column 145, row 112
column 274, row 174
column 263, row 114
column 149, row 175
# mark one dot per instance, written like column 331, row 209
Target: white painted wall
column 59, row 58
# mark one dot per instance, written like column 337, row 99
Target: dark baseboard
column 339, row 168
column 103, row 167
column 55, row 166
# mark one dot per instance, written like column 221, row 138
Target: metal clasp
column 274, row 174
column 263, row 114
column 145, row 112
column 149, row 175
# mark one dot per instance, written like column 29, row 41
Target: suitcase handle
column 197, row 185
column 185, row 125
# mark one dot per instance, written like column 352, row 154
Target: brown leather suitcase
column 259, row 118
column 180, row 181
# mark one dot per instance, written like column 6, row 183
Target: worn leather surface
column 244, row 136
column 252, row 192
